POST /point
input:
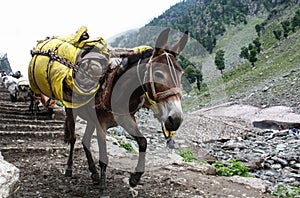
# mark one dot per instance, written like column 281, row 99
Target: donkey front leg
column 129, row 124
column 140, row 168
column 86, row 142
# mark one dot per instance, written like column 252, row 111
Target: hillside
column 276, row 59
column 273, row 80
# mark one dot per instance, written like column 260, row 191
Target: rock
column 231, row 145
column 281, row 147
column 276, row 166
column 281, row 161
column 296, row 165
column 9, row 177
column 252, row 182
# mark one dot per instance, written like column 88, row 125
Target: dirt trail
column 38, row 150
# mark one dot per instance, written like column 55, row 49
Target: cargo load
column 68, row 68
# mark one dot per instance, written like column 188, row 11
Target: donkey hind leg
column 86, row 142
column 70, row 138
column 129, row 124
column 103, row 160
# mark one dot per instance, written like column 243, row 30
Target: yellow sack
column 141, row 49
column 49, row 75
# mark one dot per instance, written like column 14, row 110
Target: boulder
column 9, row 177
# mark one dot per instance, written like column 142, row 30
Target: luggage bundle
column 68, row 68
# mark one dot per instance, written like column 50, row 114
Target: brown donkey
column 154, row 77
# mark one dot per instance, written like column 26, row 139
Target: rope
column 55, row 57
column 170, row 92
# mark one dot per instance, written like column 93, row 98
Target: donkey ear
column 179, row 45
column 161, row 42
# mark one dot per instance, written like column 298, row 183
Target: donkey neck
column 129, row 88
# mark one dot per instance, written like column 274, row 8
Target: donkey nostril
column 173, row 123
column 170, row 119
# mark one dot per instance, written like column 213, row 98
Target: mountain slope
column 4, row 63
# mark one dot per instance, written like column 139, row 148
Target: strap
column 55, row 57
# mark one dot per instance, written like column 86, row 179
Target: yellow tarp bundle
column 47, row 76
column 141, row 49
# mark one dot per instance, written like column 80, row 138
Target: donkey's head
column 163, row 79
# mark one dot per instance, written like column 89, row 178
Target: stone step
column 27, row 127
column 34, row 149
column 40, row 116
column 30, row 134
column 11, row 110
column 5, row 121
column 30, row 141
column 14, row 104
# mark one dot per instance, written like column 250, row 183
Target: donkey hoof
column 134, row 179
column 68, row 173
column 95, row 177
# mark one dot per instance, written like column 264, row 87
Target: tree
column 190, row 73
column 249, row 53
column 286, row 28
column 252, row 56
column 296, row 20
column 258, row 29
column 277, row 34
column 244, row 53
column 193, row 75
column 199, row 79
column 219, row 60
column 257, row 44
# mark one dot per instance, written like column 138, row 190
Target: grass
column 187, row 154
column 234, row 168
column 271, row 64
column 287, row 192
column 126, row 145
column 276, row 59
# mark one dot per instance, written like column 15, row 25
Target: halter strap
column 170, row 92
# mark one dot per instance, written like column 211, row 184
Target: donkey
column 155, row 78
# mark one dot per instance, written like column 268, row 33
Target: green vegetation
column 234, row 168
column 191, row 73
column 287, row 192
column 126, row 145
column 272, row 60
column 230, row 26
column 219, row 60
column 251, row 52
column 187, row 154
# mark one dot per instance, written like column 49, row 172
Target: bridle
column 163, row 94
column 158, row 96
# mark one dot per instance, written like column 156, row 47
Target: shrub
column 290, row 192
column 187, row 154
column 126, row 145
column 234, row 168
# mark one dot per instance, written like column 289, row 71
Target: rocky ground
column 214, row 133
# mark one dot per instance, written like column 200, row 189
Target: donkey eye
column 159, row 75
